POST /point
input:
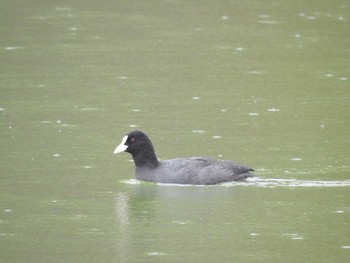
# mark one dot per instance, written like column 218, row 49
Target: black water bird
column 192, row 170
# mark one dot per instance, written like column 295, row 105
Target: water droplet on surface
column 156, row 254
column 198, row 131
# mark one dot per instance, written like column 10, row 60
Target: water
column 263, row 83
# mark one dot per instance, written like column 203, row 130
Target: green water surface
column 264, row 83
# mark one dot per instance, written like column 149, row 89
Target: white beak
column 121, row 147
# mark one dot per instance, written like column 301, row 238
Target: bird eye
column 132, row 140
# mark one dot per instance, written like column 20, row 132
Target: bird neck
column 146, row 158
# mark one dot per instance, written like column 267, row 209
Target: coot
column 192, row 170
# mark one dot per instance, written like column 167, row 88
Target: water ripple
column 273, row 182
column 262, row 182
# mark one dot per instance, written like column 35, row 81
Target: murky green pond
column 264, row 83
